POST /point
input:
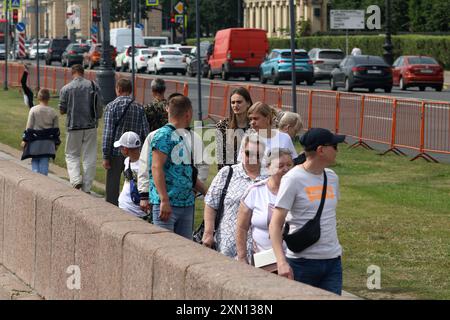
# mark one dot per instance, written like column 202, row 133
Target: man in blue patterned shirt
column 121, row 115
column 172, row 183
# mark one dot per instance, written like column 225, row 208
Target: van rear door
column 248, row 47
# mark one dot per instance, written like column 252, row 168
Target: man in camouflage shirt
column 156, row 111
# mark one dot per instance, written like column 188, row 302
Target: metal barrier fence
column 423, row 126
column 54, row 78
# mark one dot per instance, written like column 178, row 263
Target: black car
column 370, row 72
column 74, row 54
column 55, row 50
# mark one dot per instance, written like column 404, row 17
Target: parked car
column 42, row 51
column 418, row 71
column 74, row 54
column 186, row 50
column 278, row 66
column 324, row 61
column 192, row 61
column 123, row 60
column 93, row 56
column 55, row 49
column 363, row 71
column 238, row 52
column 2, row 51
column 166, row 60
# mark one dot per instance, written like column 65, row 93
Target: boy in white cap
column 130, row 147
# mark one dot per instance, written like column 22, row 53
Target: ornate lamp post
column 106, row 74
column 388, row 47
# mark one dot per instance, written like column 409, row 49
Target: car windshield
column 185, row 50
column 171, row 53
column 335, row 55
column 60, row 44
column 422, row 60
column 146, row 52
column 79, row 48
column 368, row 60
column 2, row 46
column 298, row 55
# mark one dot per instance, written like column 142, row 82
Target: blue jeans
column 324, row 274
column 40, row 165
column 181, row 220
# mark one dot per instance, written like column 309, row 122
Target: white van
column 155, row 41
column 121, row 37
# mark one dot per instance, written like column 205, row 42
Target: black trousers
column 113, row 179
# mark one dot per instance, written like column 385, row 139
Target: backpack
column 156, row 114
column 134, row 193
column 96, row 107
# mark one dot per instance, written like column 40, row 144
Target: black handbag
column 309, row 234
column 197, row 236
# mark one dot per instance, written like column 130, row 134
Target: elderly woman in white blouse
column 245, row 174
column 256, row 207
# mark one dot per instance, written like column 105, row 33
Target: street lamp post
column 388, row 47
column 106, row 74
column 293, row 75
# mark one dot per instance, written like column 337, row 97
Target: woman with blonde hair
column 261, row 117
column 290, row 123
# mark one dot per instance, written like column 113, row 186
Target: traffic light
column 15, row 16
column 95, row 16
column 172, row 19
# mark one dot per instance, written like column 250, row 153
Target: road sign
column 140, row 26
column 20, row 27
column 151, row 3
column 179, row 19
column 94, row 29
column 347, row 19
column 15, row 4
column 179, row 7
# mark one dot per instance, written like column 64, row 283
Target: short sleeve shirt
column 300, row 192
column 177, row 169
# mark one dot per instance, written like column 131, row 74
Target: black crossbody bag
column 309, row 234
column 198, row 234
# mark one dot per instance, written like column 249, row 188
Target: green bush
column 436, row 46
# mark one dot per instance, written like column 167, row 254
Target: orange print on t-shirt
column 315, row 193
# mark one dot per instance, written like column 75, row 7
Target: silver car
column 324, row 61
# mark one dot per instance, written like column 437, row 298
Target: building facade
column 58, row 17
column 273, row 15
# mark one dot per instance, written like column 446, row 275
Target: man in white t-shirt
column 298, row 201
column 130, row 145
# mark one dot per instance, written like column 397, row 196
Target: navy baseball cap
column 315, row 137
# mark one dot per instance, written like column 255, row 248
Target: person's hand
column 208, row 239
column 285, row 270
column 106, row 164
column 165, row 210
column 23, row 144
column 145, row 206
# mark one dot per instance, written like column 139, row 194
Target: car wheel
column 402, row 84
column 388, row 89
column 422, row 88
column 309, row 82
column 156, row 70
column 262, row 79
column 210, row 74
column 439, row 88
column 371, row 90
column 333, row 84
column 275, row 78
column 183, row 73
column 225, row 76
column 347, row 86
column 248, row 77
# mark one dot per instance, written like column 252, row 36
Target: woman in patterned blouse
column 230, row 131
column 244, row 175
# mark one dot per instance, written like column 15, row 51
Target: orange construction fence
column 423, row 126
column 54, row 78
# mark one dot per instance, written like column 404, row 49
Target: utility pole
column 5, row 84
column 199, row 61
column 133, row 71
column 388, row 47
column 294, row 80
column 105, row 74
column 38, row 80
column 239, row 13
column 184, row 21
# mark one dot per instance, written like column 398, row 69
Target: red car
column 418, row 71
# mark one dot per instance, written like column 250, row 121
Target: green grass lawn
column 393, row 213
